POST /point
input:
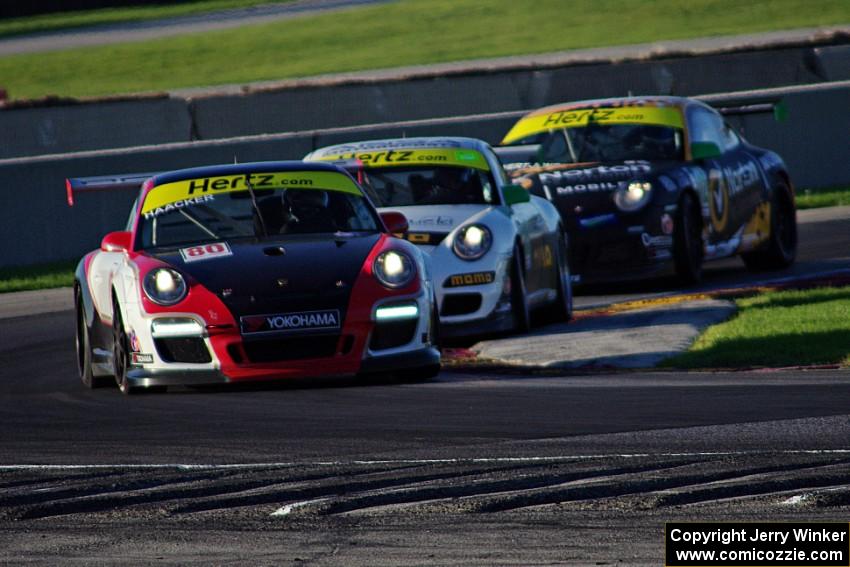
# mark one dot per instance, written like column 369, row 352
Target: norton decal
column 205, row 252
column 475, row 278
column 741, row 176
column 718, row 200
column 576, row 118
column 306, row 320
column 180, row 191
column 604, row 178
column 406, row 157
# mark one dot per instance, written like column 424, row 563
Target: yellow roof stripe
column 170, row 193
column 412, row 157
column 575, row 118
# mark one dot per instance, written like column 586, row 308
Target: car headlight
column 472, row 242
column 164, row 286
column 394, row 269
column 633, row 196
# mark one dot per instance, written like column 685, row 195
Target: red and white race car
column 251, row 272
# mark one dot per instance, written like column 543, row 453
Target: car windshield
column 609, row 142
column 429, row 186
column 234, row 215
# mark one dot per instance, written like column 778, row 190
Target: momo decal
column 579, row 117
column 475, row 278
column 160, row 196
column 303, row 321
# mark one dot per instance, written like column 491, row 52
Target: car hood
column 284, row 275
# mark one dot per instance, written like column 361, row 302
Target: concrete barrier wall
column 315, row 103
column 39, row 227
column 80, row 127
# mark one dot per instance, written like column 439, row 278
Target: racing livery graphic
column 652, row 183
column 251, row 272
column 496, row 251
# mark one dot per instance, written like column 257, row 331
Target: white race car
column 497, row 252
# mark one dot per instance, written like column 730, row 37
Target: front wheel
column 83, row 343
column 120, row 353
column 687, row 241
column 781, row 248
column 519, row 295
column 563, row 310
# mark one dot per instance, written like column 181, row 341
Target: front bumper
column 618, row 254
column 224, row 355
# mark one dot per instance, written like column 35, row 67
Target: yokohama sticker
column 205, row 252
column 303, row 321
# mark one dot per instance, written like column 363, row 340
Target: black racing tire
column 563, row 308
column 781, row 248
column 83, row 344
column 519, row 295
column 121, row 353
column 687, row 241
column 435, row 336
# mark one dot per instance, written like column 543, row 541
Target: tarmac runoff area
column 635, row 338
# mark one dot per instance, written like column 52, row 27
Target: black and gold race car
column 646, row 184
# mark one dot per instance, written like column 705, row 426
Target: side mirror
column 118, row 241
column 396, row 223
column 515, row 194
column 705, row 150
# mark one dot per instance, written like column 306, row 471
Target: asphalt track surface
column 471, row 468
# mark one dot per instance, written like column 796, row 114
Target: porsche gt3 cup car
column 251, row 272
column 643, row 184
column 496, row 251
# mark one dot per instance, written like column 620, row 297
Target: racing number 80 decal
column 718, row 199
column 205, row 252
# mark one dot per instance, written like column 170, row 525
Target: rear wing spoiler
column 129, row 181
column 740, row 107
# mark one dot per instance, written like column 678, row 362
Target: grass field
column 783, row 328
column 45, row 276
column 817, row 198
column 88, row 18
column 391, row 35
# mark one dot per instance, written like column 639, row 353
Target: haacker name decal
column 188, row 191
column 407, row 157
column 307, row 320
column 576, row 118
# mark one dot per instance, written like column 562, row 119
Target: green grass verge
column 44, row 276
column 87, row 18
column 782, row 328
column 817, row 198
column 399, row 34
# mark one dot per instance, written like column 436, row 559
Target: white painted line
column 475, row 460
column 288, row 509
